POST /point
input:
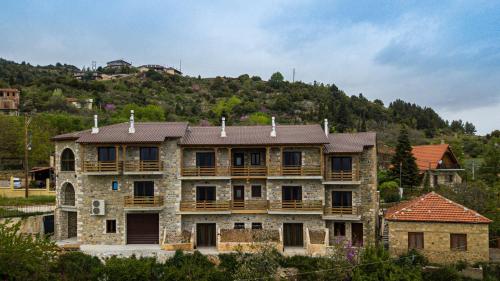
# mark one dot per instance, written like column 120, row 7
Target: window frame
column 210, row 160
column 458, row 242
column 255, row 159
column 254, row 187
column 342, row 198
column 256, row 224
column 149, row 152
column 111, row 226
column 292, row 156
column 343, row 161
column 68, row 162
column 239, row 225
column 417, row 241
column 107, row 156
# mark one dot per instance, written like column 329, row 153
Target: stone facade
column 437, row 240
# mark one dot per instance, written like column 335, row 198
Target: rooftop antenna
column 94, row 65
column 180, row 65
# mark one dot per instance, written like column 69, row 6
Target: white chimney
column 273, row 131
column 223, row 128
column 327, row 131
column 131, row 129
column 95, row 129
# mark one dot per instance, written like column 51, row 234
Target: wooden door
column 239, row 159
column 142, row 228
column 293, row 235
column 357, row 234
column 206, row 235
column 239, row 193
column 72, row 224
column 205, row 193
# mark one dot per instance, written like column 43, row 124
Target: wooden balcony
column 341, row 176
column 249, row 206
column 249, row 171
column 101, row 166
column 296, row 205
column 143, row 166
column 310, row 170
column 333, row 211
column 213, row 171
column 205, row 206
column 143, row 201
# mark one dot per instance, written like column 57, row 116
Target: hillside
column 162, row 97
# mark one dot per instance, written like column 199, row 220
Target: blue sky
column 443, row 54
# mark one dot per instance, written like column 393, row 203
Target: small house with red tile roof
column 437, row 164
column 9, row 101
column 442, row 230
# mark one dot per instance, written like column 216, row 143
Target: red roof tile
column 433, row 207
column 428, row 156
column 350, row 142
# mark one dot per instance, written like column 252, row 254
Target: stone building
column 437, row 164
column 9, row 101
column 171, row 183
column 442, row 230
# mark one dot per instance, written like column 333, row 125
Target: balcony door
column 144, row 188
column 239, row 159
column 291, row 193
column 106, row 154
column 292, row 158
column 239, row 193
column 149, row 154
column 293, row 235
column 340, row 164
column 205, row 159
column 205, row 193
column 341, row 199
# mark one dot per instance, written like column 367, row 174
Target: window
column 205, row 193
column 458, row 242
column 239, row 159
column 357, row 234
column 144, row 188
column 341, row 198
column 256, row 225
column 339, row 229
column 291, row 193
column 255, row 159
column 110, row 226
column 342, row 164
column 292, row 158
column 415, row 240
column 239, row 225
column 205, row 159
column 149, row 153
column 450, row 178
column 67, row 160
column 435, row 180
column 256, row 191
column 106, row 153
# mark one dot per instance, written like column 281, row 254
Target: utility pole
column 473, row 170
column 27, row 147
column 180, row 65
column 293, row 75
column 400, row 173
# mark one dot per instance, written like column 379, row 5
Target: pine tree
column 404, row 157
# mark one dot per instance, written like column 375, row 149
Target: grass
column 32, row 200
column 4, row 213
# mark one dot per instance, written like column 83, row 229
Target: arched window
column 68, row 194
column 67, row 160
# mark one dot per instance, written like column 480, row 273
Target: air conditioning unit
column 97, row 208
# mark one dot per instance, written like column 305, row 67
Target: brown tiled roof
column 350, row 142
column 150, row 132
column 428, row 156
column 255, row 135
column 433, row 207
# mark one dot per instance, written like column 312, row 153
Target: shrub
column 132, row 269
column 389, row 191
column 77, row 266
column 446, row 273
column 191, row 267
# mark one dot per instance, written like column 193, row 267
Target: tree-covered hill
column 242, row 100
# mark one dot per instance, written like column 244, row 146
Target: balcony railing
column 250, row 205
column 343, row 210
column 216, row 205
column 205, row 171
column 143, row 201
column 304, row 170
column 249, row 171
column 143, row 166
column 341, row 176
column 308, row 205
column 101, row 166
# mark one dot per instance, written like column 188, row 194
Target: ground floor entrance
column 206, row 235
column 142, row 228
column 72, row 224
column 293, row 235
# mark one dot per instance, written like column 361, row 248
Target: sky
column 441, row 54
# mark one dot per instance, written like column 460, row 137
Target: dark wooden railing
column 350, row 210
column 304, row 170
column 249, row 171
column 216, row 205
column 143, row 166
column 341, row 176
column 101, row 166
column 249, row 205
column 304, row 205
column 143, row 201
column 205, row 171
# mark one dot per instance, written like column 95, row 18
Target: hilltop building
column 437, row 164
column 187, row 187
column 9, row 101
column 118, row 64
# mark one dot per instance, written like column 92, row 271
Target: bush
column 389, row 191
column 191, row 267
column 77, row 266
column 446, row 273
column 132, row 269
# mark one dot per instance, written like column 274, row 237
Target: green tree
column 276, row 80
column 490, row 170
column 24, row 257
column 403, row 160
column 77, row 266
column 259, row 118
column 389, row 191
column 469, row 128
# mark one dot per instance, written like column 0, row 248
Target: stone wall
column 437, row 240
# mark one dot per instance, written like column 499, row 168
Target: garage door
column 142, row 229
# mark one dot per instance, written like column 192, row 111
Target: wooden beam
column 322, row 161
column 268, row 158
